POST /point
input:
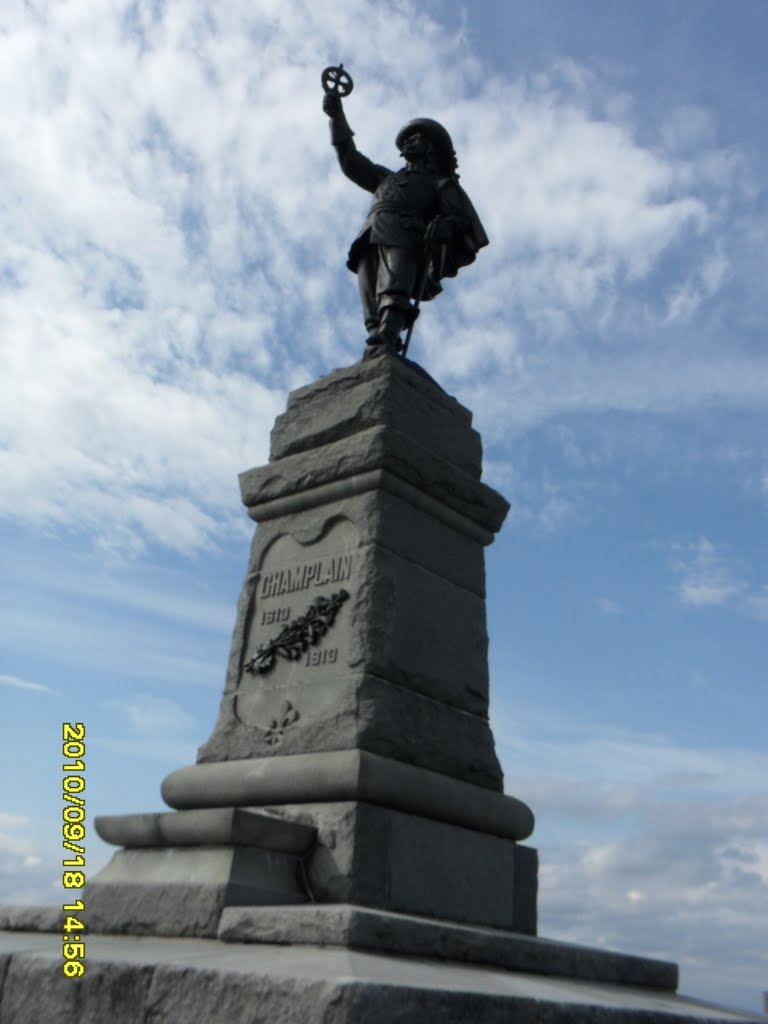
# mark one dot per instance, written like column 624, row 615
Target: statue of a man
column 421, row 226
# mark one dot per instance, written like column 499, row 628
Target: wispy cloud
column 706, row 580
column 19, row 857
column 12, row 820
column 110, row 645
column 607, row 606
column 146, row 714
column 24, row 684
column 666, row 852
column 159, row 593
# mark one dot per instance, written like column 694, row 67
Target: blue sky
column 174, row 229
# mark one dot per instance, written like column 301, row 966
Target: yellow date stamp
column 73, row 841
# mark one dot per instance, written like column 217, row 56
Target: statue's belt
column 410, row 214
column 385, row 207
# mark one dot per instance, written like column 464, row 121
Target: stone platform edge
column 380, row 931
column 362, row 928
column 138, row 980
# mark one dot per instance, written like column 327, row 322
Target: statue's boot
column 387, row 334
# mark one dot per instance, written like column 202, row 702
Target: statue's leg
column 397, row 272
column 367, row 270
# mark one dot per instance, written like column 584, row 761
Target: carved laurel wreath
column 297, row 636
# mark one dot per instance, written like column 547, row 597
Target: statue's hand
column 332, row 104
column 341, row 133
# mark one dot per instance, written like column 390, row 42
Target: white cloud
column 152, row 728
column 12, row 846
column 607, row 606
column 163, row 596
column 20, row 861
column 145, row 715
column 176, row 226
column 703, row 593
column 687, row 296
column 12, row 820
column 705, row 577
column 646, row 845
column 24, row 684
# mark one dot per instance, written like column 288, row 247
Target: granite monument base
column 150, row 980
column 178, row 871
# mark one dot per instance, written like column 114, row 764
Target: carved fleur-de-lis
column 287, row 716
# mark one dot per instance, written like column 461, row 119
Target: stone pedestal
column 372, row 500
column 355, row 706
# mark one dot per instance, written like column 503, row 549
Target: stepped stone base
column 182, row 892
column 178, row 871
column 133, row 980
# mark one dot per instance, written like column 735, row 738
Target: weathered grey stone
column 416, row 535
column 134, row 980
column 31, row 918
column 356, row 697
column 364, row 712
column 35, row 991
column 135, row 907
column 380, row 631
column 381, row 931
column 373, row 490
column 384, row 518
column 386, row 392
column 441, row 653
column 378, row 448
column 347, row 775
column 526, row 885
column 223, row 826
column 182, row 890
column 376, row 857
column 322, row 551
column 217, row 997
column 381, row 627
column 380, row 481
column 364, row 854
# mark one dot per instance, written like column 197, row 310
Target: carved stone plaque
column 299, row 627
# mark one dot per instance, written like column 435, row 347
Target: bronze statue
column 421, row 227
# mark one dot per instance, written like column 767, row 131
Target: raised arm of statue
column 354, row 164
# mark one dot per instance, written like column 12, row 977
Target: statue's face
column 416, row 145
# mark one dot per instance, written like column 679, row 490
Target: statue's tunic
column 404, row 204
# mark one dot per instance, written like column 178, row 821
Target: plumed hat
column 437, row 135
